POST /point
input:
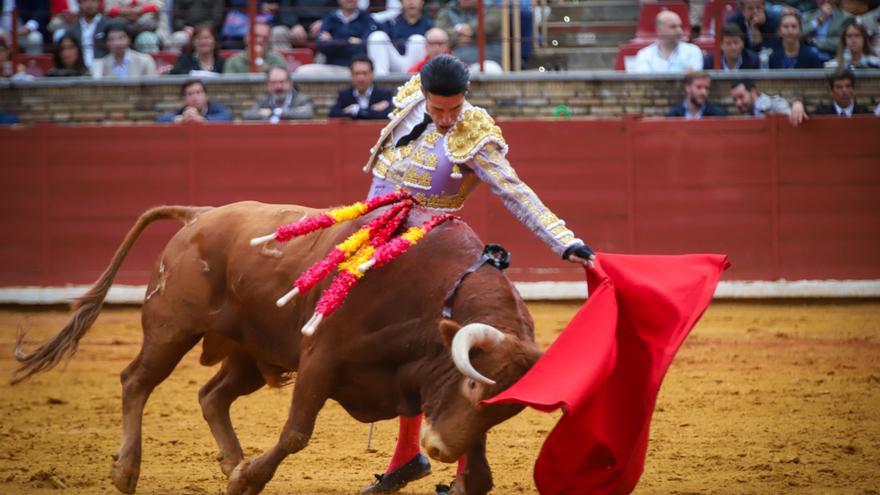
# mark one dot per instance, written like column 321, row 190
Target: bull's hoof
column 227, row 465
column 415, row 469
column 124, row 479
column 450, row 489
column 239, row 484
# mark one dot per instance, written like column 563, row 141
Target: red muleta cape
column 606, row 367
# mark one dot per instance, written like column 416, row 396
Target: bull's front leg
column 309, row 396
column 476, row 479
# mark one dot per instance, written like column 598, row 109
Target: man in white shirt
column 668, row 53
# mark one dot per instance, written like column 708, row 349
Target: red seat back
column 36, row 64
column 164, row 59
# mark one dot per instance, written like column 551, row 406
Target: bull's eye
column 471, row 384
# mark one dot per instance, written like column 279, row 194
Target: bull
column 386, row 352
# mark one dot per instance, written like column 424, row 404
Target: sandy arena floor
column 763, row 398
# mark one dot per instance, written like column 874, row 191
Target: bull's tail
column 85, row 310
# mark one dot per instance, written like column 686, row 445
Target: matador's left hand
column 581, row 253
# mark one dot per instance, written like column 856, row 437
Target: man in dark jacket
column 282, row 101
column 90, row 29
column 191, row 13
column 344, row 33
column 734, row 54
column 33, row 18
column 696, row 102
column 759, row 24
column 196, row 106
column 362, row 100
column 841, row 86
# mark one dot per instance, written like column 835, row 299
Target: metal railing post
column 252, row 49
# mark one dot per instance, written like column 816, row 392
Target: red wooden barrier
column 783, row 202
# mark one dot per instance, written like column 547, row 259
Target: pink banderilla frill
column 371, row 245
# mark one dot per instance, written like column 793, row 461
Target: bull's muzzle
column 433, row 444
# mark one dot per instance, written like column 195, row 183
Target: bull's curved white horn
column 469, row 336
column 312, row 324
column 256, row 241
column 287, row 297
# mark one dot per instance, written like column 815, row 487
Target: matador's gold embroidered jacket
column 441, row 170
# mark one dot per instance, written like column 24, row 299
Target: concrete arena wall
column 783, row 202
column 530, row 95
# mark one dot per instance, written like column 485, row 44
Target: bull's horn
column 256, row 241
column 469, row 336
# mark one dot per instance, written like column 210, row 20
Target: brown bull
column 386, row 352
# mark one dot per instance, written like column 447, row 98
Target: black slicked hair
column 445, row 75
column 747, row 83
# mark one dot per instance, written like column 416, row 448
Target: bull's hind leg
column 313, row 384
column 238, row 376
column 153, row 364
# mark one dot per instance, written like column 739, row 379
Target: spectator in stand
column 790, row 52
column 266, row 58
column 696, row 103
column 303, row 20
column 283, row 101
column 734, row 54
column 392, row 9
column 187, row 14
column 459, row 19
column 760, row 24
column 63, row 13
column 90, row 30
column 196, row 106
column 203, row 54
column 871, row 21
column 669, row 53
column 823, row 27
column 6, row 68
column 854, row 50
column 749, row 101
column 437, row 44
column 800, row 6
column 286, row 28
column 344, row 33
column 401, row 43
column 841, row 87
column 122, row 61
column 68, row 59
column 362, row 100
column 33, row 18
column 142, row 19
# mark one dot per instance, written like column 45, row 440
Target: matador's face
column 444, row 110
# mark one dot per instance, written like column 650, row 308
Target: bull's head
column 454, row 418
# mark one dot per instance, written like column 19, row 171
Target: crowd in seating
column 364, row 38
column 183, row 36
column 756, row 34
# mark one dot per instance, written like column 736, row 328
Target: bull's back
column 211, row 281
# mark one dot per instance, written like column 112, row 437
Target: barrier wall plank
column 783, row 202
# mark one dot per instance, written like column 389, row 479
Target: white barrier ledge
column 547, row 291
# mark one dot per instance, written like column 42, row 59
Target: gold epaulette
column 473, row 130
column 410, row 92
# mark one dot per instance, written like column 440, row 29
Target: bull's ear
column 448, row 328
